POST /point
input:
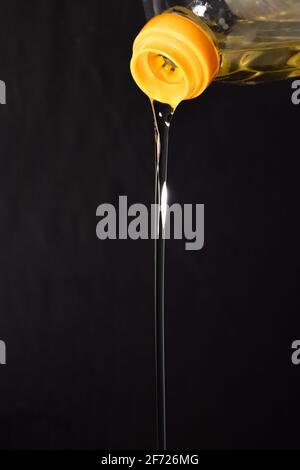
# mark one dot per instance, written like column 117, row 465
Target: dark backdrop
column 77, row 313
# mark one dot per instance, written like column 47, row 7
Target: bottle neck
column 174, row 58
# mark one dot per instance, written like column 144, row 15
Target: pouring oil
column 175, row 57
column 162, row 120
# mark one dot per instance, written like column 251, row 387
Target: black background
column 77, row 313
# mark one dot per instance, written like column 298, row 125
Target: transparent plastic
column 258, row 40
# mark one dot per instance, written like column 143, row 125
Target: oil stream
column 162, row 120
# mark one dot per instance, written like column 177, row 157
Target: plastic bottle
column 188, row 43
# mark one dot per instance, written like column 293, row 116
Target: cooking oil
column 254, row 50
column 162, row 120
column 175, row 57
column 260, row 61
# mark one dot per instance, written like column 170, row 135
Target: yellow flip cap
column 174, row 59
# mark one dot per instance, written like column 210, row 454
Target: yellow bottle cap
column 174, row 59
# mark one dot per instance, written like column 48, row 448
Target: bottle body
column 258, row 40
